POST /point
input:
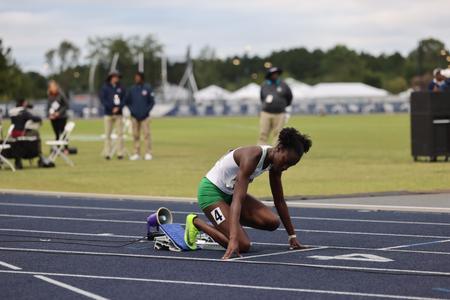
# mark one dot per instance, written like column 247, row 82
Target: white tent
column 405, row 94
column 211, row 93
column 248, row 93
column 346, row 90
column 174, row 92
column 299, row 89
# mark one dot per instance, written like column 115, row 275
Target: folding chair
column 59, row 145
column 4, row 146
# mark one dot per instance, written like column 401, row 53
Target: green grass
column 350, row 154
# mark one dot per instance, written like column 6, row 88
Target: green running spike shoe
column 191, row 232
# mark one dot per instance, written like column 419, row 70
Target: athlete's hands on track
column 233, row 247
column 294, row 244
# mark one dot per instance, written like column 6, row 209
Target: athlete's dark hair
column 291, row 138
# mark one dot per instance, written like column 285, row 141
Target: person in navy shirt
column 112, row 97
column 140, row 100
column 439, row 83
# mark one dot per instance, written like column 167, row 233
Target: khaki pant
column 110, row 121
column 270, row 123
column 144, row 126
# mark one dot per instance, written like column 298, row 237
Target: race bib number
column 218, row 215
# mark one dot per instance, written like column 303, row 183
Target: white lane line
column 279, row 253
column 416, row 244
column 9, row 266
column 70, row 287
column 111, row 235
column 185, row 258
column 279, row 229
column 80, row 207
column 96, row 196
column 72, row 219
column 71, row 233
column 187, row 212
column 362, row 248
column 372, row 233
column 58, row 283
column 373, row 221
column 308, row 204
column 227, row 285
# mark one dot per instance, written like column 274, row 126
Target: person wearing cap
column 439, row 82
column 276, row 96
column 112, row 97
column 140, row 100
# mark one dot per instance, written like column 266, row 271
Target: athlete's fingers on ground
column 227, row 257
column 294, row 244
column 229, row 253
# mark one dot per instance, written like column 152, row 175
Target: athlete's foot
column 191, row 232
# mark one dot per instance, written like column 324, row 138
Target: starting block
column 205, row 242
column 173, row 239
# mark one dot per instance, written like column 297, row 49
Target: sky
column 231, row 27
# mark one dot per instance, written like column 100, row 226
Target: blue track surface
column 354, row 255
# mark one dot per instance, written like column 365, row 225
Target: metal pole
column 164, row 76
column 141, row 62
column 114, row 61
column 92, row 83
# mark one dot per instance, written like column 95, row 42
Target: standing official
column 140, row 100
column 57, row 107
column 112, row 96
column 275, row 97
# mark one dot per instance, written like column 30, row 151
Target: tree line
column 394, row 72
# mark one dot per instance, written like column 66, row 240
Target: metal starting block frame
column 164, row 243
column 206, row 242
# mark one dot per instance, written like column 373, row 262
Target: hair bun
column 291, row 138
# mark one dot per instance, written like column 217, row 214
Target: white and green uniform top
column 223, row 174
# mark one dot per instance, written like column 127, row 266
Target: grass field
column 350, row 154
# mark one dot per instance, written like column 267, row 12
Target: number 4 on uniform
column 217, row 215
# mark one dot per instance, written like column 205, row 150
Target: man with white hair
column 439, row 83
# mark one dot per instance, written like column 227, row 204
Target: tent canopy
column 346, row 90
column 299, row 89
column 211, row 93
column 249, row 92
column 175, row 92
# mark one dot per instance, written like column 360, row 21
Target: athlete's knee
column 273, row 223
column 244, row 246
